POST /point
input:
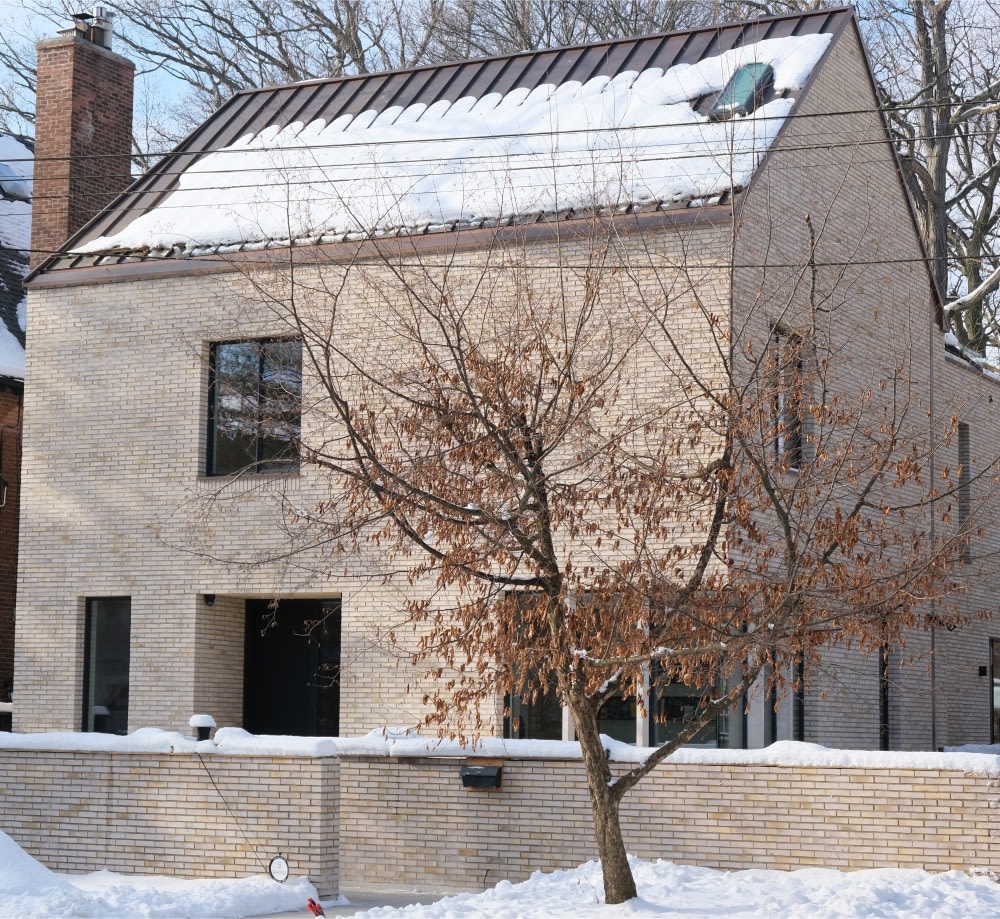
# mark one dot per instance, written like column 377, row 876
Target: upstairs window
column 255, row 406
column 744, row 91
column 788, row 404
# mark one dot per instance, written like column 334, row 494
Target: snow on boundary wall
column 394, row 816
column 404, row 742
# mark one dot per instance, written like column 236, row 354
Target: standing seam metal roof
column 249, row 112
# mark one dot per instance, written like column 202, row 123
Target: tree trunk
column 619, row 885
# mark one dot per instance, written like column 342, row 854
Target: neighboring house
column 15, row 225
column 152, row 540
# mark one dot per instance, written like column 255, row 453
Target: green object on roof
column 744, row 91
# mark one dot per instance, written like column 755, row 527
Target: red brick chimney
column 83, row 130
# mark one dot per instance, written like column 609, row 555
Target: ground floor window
column 995, row 684
column 539, row 718
column 105, row 667
column 672, row 707
column 617, row 718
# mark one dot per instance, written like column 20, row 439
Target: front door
column 291, row 680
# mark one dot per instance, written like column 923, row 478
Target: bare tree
column 473, row 28
column 938, row 63
column 596, row 477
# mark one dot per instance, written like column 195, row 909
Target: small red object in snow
column 314, row 907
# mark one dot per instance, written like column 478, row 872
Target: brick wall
column 162, row 814
column 118, row 504
column 83, row 137
column 873, row 318
column 408, row 822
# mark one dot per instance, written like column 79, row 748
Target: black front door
column 291, row 679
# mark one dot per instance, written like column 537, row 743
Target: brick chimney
column 83, row 130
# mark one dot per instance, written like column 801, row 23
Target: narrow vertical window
column 106, row 664
column 995, row 690
column 964, row 490
column 255, row 404
column 788, row 399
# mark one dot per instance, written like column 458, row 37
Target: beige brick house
column 153, row 541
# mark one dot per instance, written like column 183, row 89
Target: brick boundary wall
column 148, row 813
column 408, row 822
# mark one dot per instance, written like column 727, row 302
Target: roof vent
column 96, row 27
column 744, row 91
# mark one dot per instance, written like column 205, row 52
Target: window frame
column 94, row 670
column 261, row 464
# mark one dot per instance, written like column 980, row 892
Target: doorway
column 291, row 678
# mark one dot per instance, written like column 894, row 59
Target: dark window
column 673, row 706
column 788, row 399
column 106, row 662
column 537, row 718
column 616, row 718
column 995, row 689
column 255, row 406
column 535, row 712
column 291, row 679
column 964, row 490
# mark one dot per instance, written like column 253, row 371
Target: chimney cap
column 96, row 26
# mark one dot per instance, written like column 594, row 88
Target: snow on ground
column 684, row 892
column 27, row 889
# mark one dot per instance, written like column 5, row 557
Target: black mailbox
column 481, row 776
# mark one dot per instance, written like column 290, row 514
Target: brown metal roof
column 249, row 112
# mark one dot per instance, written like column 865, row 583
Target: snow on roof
column 612, row 142
column 16, row 168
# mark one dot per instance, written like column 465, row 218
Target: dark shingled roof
column 251, row 111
